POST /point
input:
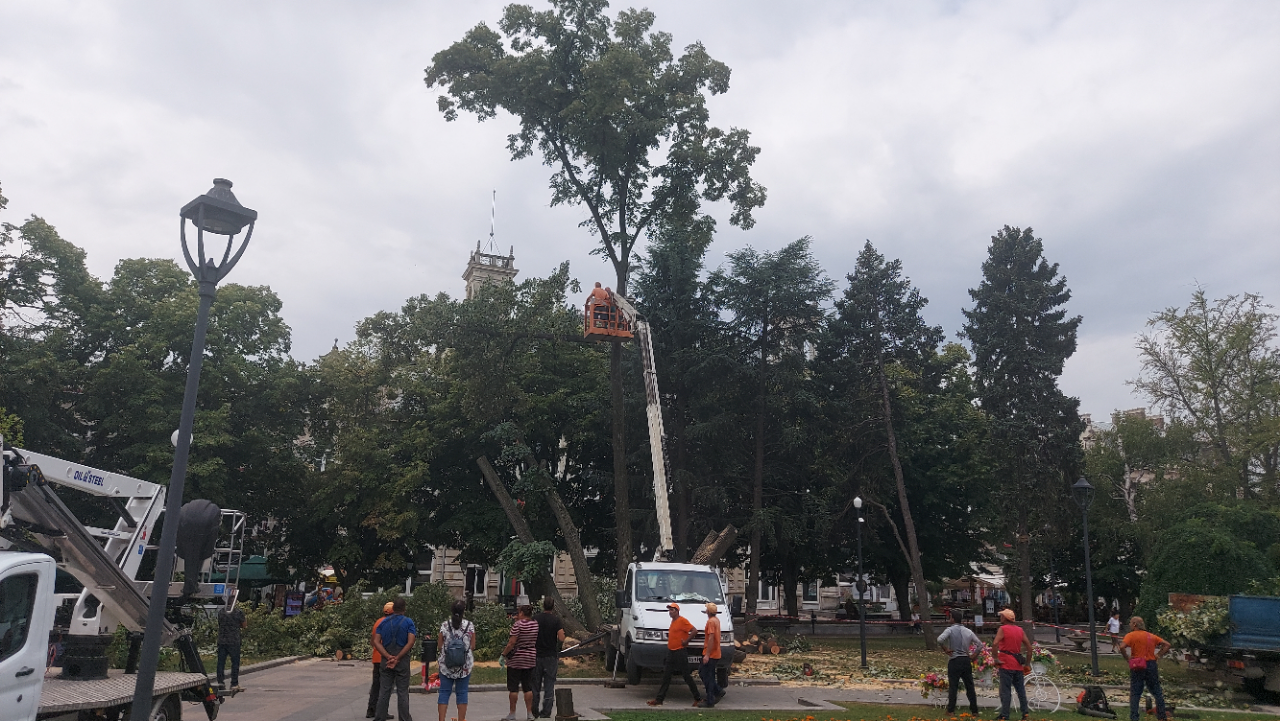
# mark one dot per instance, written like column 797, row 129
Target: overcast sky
column 1141, row 141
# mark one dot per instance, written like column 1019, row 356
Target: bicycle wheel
column 1042, row 693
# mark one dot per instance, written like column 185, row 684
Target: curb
column 481, row 687
column 273, row 663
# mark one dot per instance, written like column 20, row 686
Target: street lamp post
column 1082, row 491
column 217, row 212
column 861, row 585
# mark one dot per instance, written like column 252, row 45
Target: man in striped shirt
column 521, row 654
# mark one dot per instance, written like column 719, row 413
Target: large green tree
column 774, row 306
column 624, row 123
column 1215, row 367
column 1021, row 338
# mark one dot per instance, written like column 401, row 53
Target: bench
column 1078, row 639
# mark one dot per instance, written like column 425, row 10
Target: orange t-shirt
column 712, row 644
column 1143, row 644
column 679, row 633
column 377, row 657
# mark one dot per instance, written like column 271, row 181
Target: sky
column 1140, row 140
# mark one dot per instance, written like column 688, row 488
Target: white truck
column 641, row 641
column 38, row 536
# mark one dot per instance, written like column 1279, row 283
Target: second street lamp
column 861, row 585
column 1082, row 491
column 217, row 212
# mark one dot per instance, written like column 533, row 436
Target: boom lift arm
column 611, row 317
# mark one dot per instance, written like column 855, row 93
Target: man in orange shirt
column 711, row 657
column 678, row 636
column 1144, row 649
column 377, row 665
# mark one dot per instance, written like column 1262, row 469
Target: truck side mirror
column 620, row 599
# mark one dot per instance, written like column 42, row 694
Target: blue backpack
column 455, row 651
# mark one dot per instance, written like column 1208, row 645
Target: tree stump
column 564, row 705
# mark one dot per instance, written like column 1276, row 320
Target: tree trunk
column 681, row 485
column 588, row 594
column 757, row 508
column 908, row 525
column 1027, row 592
column 521, row 527
column 790, row 578
column 901, row 588
column 621, row 484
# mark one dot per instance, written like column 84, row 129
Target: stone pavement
column 325, row 690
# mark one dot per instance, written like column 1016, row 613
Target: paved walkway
column 324, row 690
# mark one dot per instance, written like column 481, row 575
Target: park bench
column 1078, row 639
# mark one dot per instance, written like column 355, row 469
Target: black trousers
column 375, row 687
column 677, row 662
column 961, row 669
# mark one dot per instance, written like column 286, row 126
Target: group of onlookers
column 531, row 657
column 1013, row 650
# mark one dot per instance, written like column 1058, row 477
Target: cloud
column 1139, row 140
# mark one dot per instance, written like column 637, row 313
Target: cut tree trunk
column 521, row 526
column 917, row 571
column 715, row 546
column 588, row 595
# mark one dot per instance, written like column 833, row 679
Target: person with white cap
column 678, row 637
column 711, row 657
column 1013, row 657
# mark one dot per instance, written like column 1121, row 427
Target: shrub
column 493, row 628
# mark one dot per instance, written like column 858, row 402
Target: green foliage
column 604, row 588
column 1198, row 626
column 493, row 628
column 526, row 560
column 1208, row 553
column 11, row 428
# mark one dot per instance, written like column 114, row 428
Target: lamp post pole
column 1083, row 492
column 220, row 213
column 861, row 585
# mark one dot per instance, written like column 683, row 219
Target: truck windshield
column 675, row 585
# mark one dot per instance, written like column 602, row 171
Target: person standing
column 963, row 646
column 1014, row 653
column 1144, row 649
column 711, row 657
column 455, row 665
column 377, row 664
column 522, row 656
column 393, row 640
column 678, row 636
column 550, row 634
column 231, row 621
column 1113, row 630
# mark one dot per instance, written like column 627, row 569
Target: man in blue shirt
column 394, row 639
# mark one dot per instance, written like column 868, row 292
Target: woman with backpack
column 457, row 642
column 1144, row 649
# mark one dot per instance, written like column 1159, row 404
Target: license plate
column 695, row 660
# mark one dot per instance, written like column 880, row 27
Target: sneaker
column 697, row 702
column 369, row 714
column 655, row 702
column 509, row 717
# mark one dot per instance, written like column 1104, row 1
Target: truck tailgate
column 62, row 695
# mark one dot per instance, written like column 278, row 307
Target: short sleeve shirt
column 394, row 631
column 229, row 626
column 1010, row 644
column 680, row 632
column 711, row 644
column 377, row 657
column 549, row 627
column 466, row 632
column 1143, row 644
column 524, row 655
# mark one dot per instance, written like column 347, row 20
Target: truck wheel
column 169, row 709
column 722, row 677
column 633, row 670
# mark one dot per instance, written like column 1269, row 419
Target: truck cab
column 644, row 620
column 26, row 615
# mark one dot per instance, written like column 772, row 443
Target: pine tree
column 1021, row 337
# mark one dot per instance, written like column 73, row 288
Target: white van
column 642, row 606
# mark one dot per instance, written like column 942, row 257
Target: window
column 680, row 586
column 768, row 592
column 17, row 606
column 476, row 581
column 811, row 592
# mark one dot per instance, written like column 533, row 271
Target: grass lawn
column 577, row 667
column 869, row 712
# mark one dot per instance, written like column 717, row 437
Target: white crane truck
column 641, row 644
column 38, row 536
